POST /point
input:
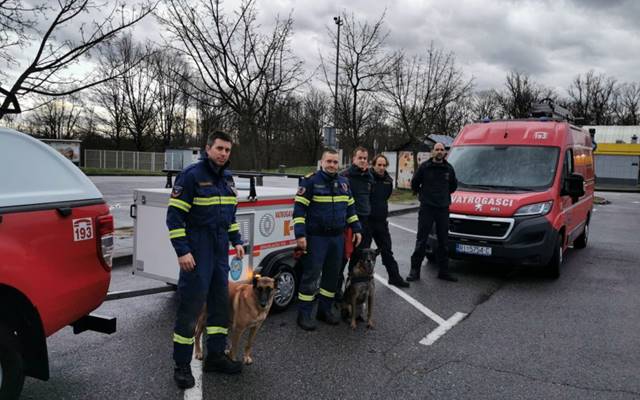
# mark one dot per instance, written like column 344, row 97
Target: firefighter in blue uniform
column 322, row 210
column 201, row 221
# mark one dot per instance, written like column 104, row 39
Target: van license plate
column 475, row 250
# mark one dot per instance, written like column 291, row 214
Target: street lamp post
column 338, row 22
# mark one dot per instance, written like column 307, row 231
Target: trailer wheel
column 11, row 365
column 553, row 267
column 286, row 289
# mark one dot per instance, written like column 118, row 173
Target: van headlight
column 534, row 209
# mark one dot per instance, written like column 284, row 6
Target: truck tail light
column 104, row 227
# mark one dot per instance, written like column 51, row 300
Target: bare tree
column 140, row 92
column 485, row 104
column 47, row 73
column 519, row 93
column 238, row 66
column 57, row 118
column 363, row 66
column 314, row 113
column 428, row 95
column 110, row 96
column 627, row 104
column 16, row 21
column 172, row 74
column 591, row 97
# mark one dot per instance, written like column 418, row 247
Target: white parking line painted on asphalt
column 443, row 325
column 403, row 228
column 435, row 317
column 195, row 393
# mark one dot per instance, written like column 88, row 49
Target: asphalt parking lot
column 523, row 336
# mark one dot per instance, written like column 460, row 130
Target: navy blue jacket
column 380, row 193
column 324, row 206
column 360, row 182
column 203, row 198
column 434, row 182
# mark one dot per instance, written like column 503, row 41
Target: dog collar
column 360, row 279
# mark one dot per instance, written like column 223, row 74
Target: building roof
column 614, row 133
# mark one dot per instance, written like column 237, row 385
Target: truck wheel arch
column 25, row 320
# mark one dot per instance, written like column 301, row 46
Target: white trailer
column 267, row 231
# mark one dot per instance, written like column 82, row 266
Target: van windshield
column 499, row 168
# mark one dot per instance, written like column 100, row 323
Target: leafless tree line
column 219, row 70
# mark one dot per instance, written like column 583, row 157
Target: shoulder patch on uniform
column 177, row 191
column 301, row 190
column 345, row 187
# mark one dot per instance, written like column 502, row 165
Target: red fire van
column 525, row 189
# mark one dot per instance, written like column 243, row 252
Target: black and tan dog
column 360, row 288
column 249, row 305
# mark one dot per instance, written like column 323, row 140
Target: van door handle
column 64, row 211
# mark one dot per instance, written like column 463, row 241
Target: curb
column 618, row 189
column 403, row 211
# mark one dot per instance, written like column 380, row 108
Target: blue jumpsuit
column 322, row 210
column 201, row 221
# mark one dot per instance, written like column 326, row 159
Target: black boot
column 183, row 376
column 328, row 317
column 414, row 274
column 306, row 322
column 221, row 362
column 398, row 281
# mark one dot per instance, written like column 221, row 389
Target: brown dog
column 360, row 288
column 249, row 306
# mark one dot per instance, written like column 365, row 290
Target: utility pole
column 338, row 22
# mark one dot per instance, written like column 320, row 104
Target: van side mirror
column 573, row 186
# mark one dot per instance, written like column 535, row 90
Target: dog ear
column 254, row 281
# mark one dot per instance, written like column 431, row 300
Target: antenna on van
column 547, row 108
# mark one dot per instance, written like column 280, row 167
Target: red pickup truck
column 56, row 245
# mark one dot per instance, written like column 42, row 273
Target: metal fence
column 135, row 160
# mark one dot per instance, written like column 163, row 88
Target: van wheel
column 553, row 267
column 286, row 287
column 11, row 365
column 581, row 241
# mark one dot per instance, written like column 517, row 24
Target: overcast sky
column 552, row 41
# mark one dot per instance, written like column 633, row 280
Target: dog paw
column 227, row 351
column 247, row 360
column 370, row 325
column 353, row 325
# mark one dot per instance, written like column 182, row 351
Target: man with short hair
column 361, row 182
column 322, row 210
column 378, row 224
column 434, row 181
column 202, row 221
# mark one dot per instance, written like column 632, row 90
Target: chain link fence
column 114, row 159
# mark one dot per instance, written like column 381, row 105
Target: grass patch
column 402, row 196
column 120, row 172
